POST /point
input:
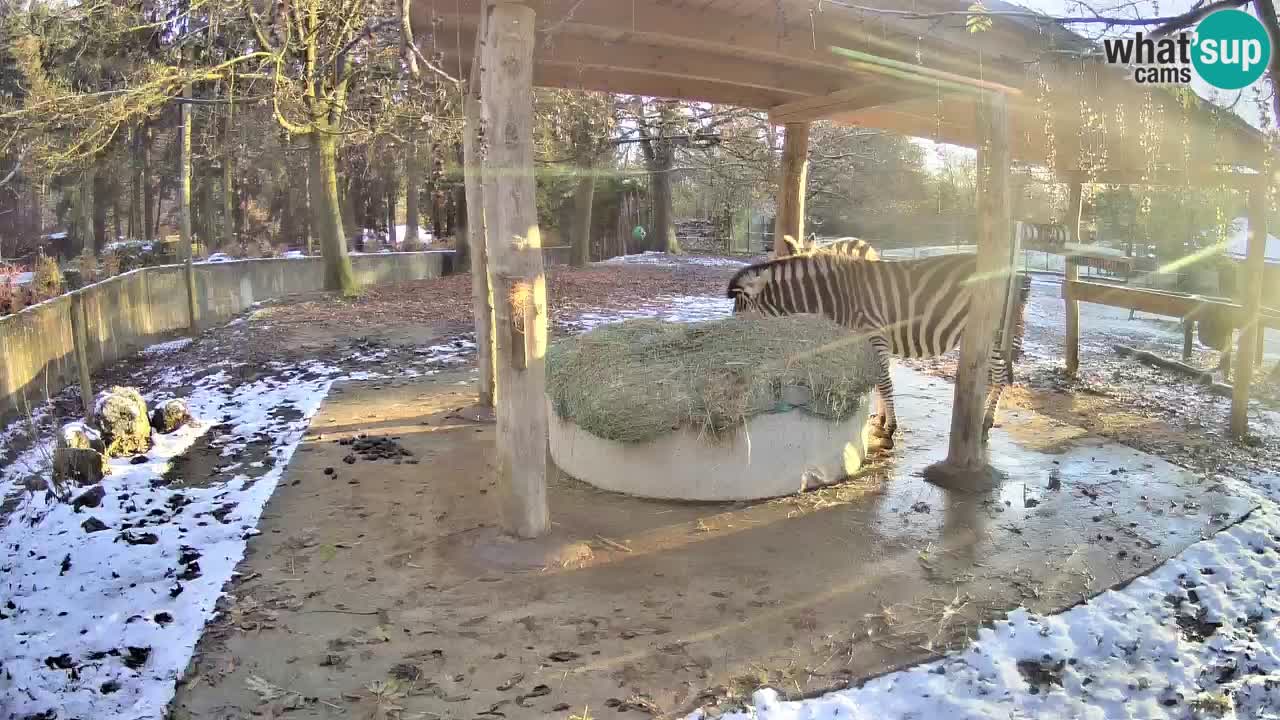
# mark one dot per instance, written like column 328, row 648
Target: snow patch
column 653, row 257
column 102, row 623
column 166, row 347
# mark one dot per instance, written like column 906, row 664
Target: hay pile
column 636, row 380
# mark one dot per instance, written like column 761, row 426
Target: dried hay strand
column 636, row 380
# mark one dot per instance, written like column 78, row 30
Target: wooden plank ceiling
column 810, row 59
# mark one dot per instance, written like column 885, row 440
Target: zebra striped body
column 910, row 308
column 850, row 246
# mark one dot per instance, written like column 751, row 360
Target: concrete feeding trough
column 734, row 409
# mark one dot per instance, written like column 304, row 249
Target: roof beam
column 627, row 82
column 847, row 100
column 797, row 43
column 760, row 85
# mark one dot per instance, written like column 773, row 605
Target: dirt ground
column 361, row 576
column 380, row 584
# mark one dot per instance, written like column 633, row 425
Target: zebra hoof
column 884, row 435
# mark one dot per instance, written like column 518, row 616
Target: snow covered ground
column 102, row 600
column 653, row 257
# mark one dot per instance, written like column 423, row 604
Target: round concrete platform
column 771, row 455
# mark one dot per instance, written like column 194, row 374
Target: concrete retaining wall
column 131, row 311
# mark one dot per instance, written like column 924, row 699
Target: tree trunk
column 136, row 230
column 347, row 207
column 583, row 197
column 791, row 188
column 148, row 190
column 242, row 202
column 117, row 219
column 392, row 191
column 84, row 209
column 664, row 227
column 308, row 211
column 461, row 240
column 437, row 215
column 228, row 186
column 210, row 235
column 411, row 179
column 328, row 216
column 101, row 205
column 184, row 209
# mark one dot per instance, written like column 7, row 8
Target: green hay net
column 636, row 380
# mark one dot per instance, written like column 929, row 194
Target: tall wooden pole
column 966, row 467
column 515, row 268
column 1072, row 349
column 473, row 182
column 1254, row 265
column 184, row 211
column 791, row 187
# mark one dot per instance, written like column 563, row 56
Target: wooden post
column 515, row 268
column 473, row 182
column 184, row 211
column 1244, row 356
column 791, row 188
column 1012, row 294
column 1072, row 349
column 966, row 468
column 80, row 338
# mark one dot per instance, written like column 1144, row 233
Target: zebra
column 855, row 247
column 909, row 308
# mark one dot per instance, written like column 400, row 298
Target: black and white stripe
column 851, row 246
column 909, row 308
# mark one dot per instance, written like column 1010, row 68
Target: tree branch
column 1196, row 15
column 17, row 164
column 1267, row 13
column 1061, row 20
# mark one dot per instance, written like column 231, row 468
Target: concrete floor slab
column 387, row 569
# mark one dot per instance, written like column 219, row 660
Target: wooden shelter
column 1021, row 90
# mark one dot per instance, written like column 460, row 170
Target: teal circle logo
column 1231, row 49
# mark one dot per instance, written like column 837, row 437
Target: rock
column 78, row 457
column 170, row 415
column 93, row 525
column 91, row 498
column 80, row 436
column 121, row 415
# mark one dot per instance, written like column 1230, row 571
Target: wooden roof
column 823, row 59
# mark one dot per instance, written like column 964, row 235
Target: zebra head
column 746, row 287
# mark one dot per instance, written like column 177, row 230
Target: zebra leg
column 887, row 423
column 1000, row 372
column 999, row 376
